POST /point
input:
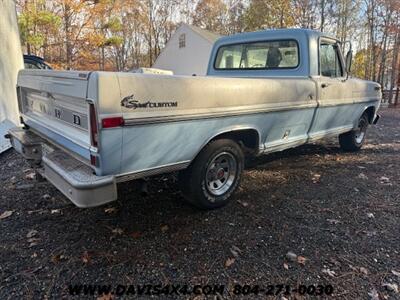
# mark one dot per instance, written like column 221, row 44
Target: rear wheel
column 353, row 140
column 214, row 175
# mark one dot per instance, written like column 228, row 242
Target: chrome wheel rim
column 360, row 133
column 221, row 173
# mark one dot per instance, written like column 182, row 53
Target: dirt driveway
column 313, row 215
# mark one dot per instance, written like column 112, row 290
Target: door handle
column 325, row 85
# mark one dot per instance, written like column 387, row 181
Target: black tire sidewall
column 203, row 197
column 348, row 141
column 358, row 145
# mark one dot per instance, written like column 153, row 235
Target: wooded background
column 122, row 35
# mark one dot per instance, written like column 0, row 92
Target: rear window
column 283, row 54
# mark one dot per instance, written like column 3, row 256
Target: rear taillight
column 93, row 160
column 94, row 132
column 112, row 122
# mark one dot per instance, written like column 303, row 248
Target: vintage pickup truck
column 265, row 91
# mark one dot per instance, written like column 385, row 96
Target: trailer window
column 258, row 55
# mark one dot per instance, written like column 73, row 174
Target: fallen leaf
column 229, row 262
column 286, row 266
column 164, row 228
column 136, row 234
column 301, row 260
column 235, row 251
column 316, row 178
column 364, row 270
column 373, row 294
column 385, row 180
column 333, row 221
column 370, row 215
column 396, row 273
column 391, row 287
column 243, row 203
column 291, row 256
column 6, row 214
column 334, row 261
column 86, row 257
column 362, row 176
column 370, row 233
column 329, row 272
column 33, row 242
column 110, row 210
column 118, row 231
column 56, row 258
column 353, row 268
column 31, row 233
column 30, row 176
column 105, row 297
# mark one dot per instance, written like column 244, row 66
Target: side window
column 30, row 65
column 258, row 55
column 182, row 41
column 330, row 65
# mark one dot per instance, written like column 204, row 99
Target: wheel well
column 248, row 139
column 370, row 111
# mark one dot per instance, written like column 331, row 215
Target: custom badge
column 130, row 102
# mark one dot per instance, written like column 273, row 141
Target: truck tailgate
column 53, row 103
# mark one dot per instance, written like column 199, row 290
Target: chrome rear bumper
column 73, row 178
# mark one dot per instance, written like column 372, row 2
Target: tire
column 214, row 175
column 353, row 140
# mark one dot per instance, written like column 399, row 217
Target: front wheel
column 214, row 175
column 353, row 140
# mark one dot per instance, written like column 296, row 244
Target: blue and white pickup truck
column 265, row 91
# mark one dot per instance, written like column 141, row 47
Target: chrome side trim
column 283, row 145
column 211, row 115
column 331, row 132
column 340, row 102
column 153, row 171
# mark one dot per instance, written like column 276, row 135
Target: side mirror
column 349, row 58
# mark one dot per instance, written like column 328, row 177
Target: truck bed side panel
column 168, row 119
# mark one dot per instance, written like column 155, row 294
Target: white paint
column 11, row 60
column 191, row 59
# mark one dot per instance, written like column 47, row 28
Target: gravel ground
column 336, row 213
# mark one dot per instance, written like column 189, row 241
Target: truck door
column 335, row 103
